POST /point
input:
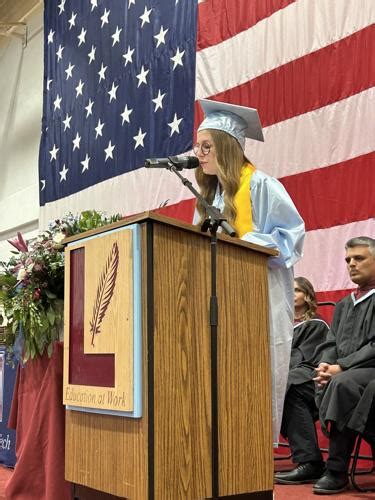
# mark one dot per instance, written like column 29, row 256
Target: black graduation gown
column 351, row 344
column 363, row 417
column 306, row 337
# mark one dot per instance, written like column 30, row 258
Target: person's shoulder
column 318, row 320
column 260, row 177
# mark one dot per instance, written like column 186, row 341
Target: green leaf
column 51, row 316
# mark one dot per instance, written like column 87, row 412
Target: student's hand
column 325, row 372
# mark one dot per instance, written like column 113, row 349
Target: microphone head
column 184, row 161
column 193, row 162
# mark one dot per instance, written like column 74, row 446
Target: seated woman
column 309, row 332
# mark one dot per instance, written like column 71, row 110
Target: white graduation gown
column 276, row 224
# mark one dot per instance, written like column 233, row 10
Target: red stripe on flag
column 325, row 197
column 335, row 195
column 218, row 21
column 310, row 82
column 184, row 210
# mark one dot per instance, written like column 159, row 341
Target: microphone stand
column 214, row 220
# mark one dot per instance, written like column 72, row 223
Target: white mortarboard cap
column 237, row 121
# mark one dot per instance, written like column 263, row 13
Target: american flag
column 306, row 65
column 119, row 87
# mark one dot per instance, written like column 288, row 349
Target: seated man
column 347, row 364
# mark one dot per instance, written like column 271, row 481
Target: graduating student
column 261, row 212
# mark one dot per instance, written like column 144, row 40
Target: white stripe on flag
column 130, row 193
column 322, row 137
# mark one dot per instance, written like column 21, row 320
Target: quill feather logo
column 105, row 291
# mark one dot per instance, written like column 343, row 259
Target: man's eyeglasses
column 205, row 148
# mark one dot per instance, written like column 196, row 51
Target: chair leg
column 353, row 472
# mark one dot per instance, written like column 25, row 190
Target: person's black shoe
column 332, row 482
column 304, row 473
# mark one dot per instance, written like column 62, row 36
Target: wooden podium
column 167, row 453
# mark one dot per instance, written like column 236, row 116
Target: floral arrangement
column 32, row 285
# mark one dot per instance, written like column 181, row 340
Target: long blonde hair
column 230, row 158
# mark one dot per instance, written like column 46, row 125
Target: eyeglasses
column 205, row 148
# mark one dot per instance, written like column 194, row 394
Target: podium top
column 151, row 216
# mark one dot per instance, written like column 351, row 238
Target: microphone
column 180, row 162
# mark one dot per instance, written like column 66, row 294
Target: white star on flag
column 126, row 114
column 160, row 37
column 85, row 163
column 50, row 36
column 79, row 88
column 88, row 108
column 145, row 16
column 66, row 122
column 49, row 81
column 116, row 36
column 128, row 56
column 59, row 52
column 108, row 151
column 94, row 3
column 72, row 20
column 63, row 173
column 82, row 37
column 177, row 58
column 174, row 125
column 142, row 76
column 158, row 101
column 92, row 54
column 76, row 141
column 131, row 2
column 99, row 129
column 69, row 70
column 54, row 152
column 139, row 138
column 57, row 102
column 104, row 17
column 101, row 73
column 43, row 183
column 61, row 7
column 112, row 92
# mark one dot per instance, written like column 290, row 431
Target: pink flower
column 36, row 295
column 19, row 243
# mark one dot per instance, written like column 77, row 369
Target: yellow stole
column 242, row 201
